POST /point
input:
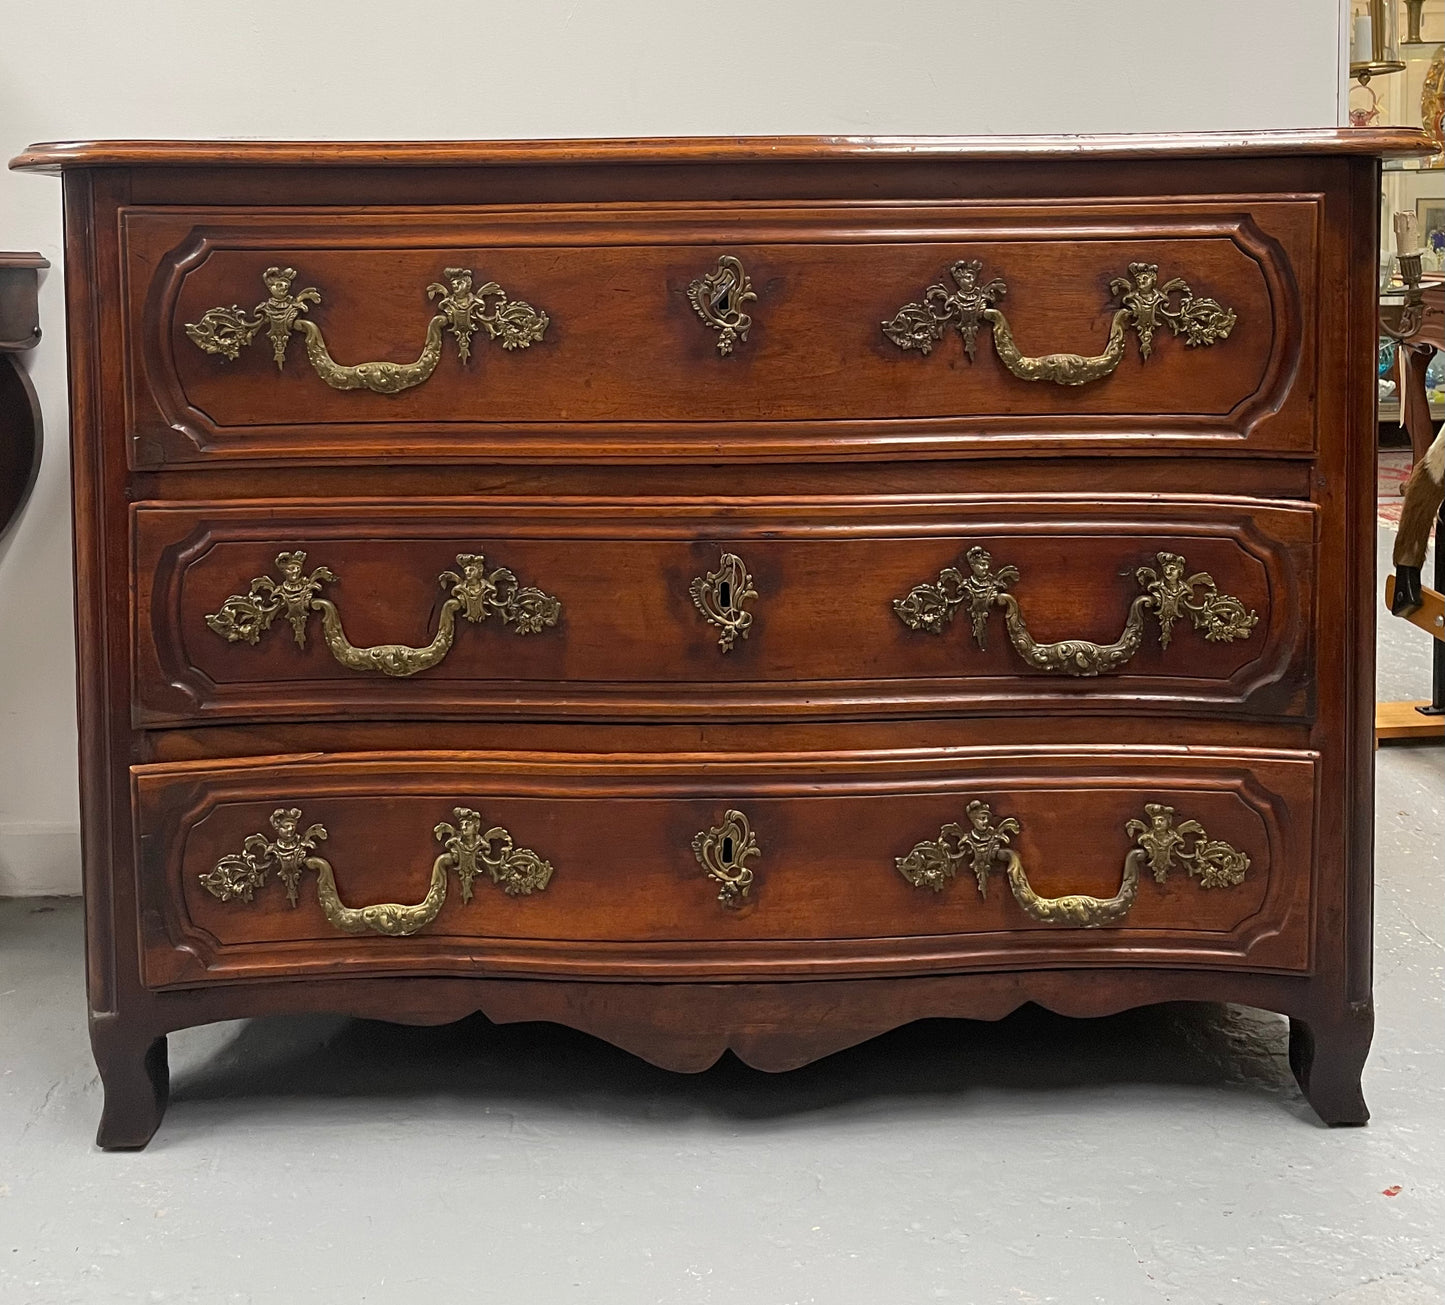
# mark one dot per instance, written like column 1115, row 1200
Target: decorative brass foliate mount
column 467, row 852
column 722, row 597
column 1169, row 595
column 984, row 848
column 1144, row 306
column 718, row 298
column 462, row 309
column 723, row 852
column 475, row 595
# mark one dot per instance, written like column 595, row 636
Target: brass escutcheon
column 718, row 298
column 722, row 597
column 723, row 852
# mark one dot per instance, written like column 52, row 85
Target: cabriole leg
column 1328, row 1058
column 136, row 1077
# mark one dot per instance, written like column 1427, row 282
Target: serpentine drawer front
column 403, row 608
column 476, row 332
column 724, row 595
column 540, row 865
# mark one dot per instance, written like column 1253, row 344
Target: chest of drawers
column 724, row 595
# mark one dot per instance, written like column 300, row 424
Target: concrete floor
column 1160, row 1156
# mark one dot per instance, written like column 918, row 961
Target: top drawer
column 597, row 333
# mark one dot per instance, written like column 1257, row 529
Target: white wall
column 335, row 69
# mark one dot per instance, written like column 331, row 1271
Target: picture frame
column 1430, row 213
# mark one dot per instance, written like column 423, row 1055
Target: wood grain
column 628, row 897
column 631, row 643
column 614, row 282
column 1368, row 142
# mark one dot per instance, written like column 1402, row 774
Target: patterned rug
column 1394, row 469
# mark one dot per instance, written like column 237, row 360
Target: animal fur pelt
column 1424, row 492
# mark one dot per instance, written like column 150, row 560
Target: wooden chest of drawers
column 724, row 594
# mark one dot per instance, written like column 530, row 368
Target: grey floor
column 1160, row 1156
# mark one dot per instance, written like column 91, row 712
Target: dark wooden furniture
column 695, row 592
column 20, row 425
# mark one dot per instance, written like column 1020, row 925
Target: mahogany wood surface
column 1369, row 142
column 825, row 639
column 612, row 462
column 613, row 279
column 628, row 897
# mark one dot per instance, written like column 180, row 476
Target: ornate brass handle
column 1168, row 594
column 467, row 853
column 476, row 595
column 1144, row 305
column 462, row 309
column 722, row 597
column 718, row 298
column 984, row 848
column 723, row 852
column 1061, row 368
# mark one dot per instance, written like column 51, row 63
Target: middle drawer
column 704, row 609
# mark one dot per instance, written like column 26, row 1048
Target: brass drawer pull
column 722, row 597
column 1168, row 594
column 475, row 594
column 723, row 851
column 1144, row 306
column 718, row 298
column 467, row 852
column 984, row 848
column 462, row 309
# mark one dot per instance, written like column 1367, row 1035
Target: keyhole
column 727, row 848
column 725, row 593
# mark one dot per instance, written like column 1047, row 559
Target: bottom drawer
column 723, row 866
